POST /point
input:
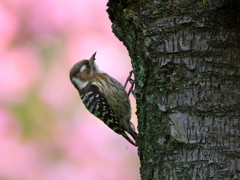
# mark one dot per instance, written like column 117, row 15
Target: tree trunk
column 186, row 60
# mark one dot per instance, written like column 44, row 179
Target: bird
column 104, row 97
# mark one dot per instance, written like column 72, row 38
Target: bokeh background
column 45, row 131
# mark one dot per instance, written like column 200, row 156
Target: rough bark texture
column 186, row 61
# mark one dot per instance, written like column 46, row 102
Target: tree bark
column 186, row 61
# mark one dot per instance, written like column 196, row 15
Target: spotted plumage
column 95, row 102
column 104, row 97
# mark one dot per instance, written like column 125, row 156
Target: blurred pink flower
column 9, row 27
column 17, row 158
column 54, row 16
column 56, row 87
column 19, row 70
column 7, row 124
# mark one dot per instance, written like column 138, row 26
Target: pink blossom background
column 45, row 131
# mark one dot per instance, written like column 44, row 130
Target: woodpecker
column 104, row 97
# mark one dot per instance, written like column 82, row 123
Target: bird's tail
column 128, row 139
column 133, row 133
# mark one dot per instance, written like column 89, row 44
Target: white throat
column 80, row 84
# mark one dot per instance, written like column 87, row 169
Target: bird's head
column 82, row 72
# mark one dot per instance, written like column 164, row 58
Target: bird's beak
column 91, row 60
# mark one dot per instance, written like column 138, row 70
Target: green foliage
column 34, row 117
column 204, row 2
